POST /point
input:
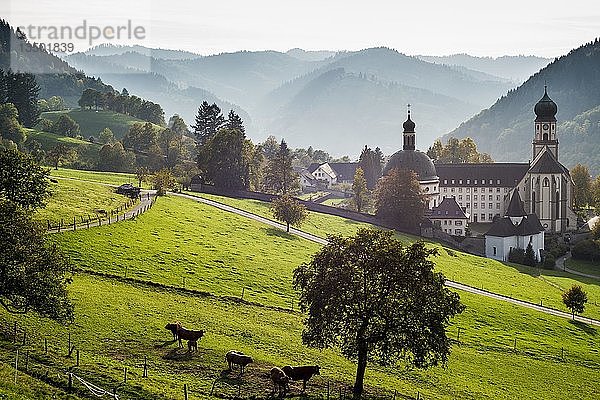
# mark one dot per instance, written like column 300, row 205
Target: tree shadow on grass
column 164, row 344
column 590, row 330
column 281, row 234
column 178, row 355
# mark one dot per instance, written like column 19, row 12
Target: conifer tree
column 234, row 121
column 209, row 120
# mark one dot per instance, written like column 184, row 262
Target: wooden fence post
column 185, row 392
column 74, row 224
column 24, row 336
column 45, row 345
column 125, row 375
column 26, row 361
column 145, row 374
column 78, row 357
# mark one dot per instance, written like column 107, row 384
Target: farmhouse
column 329, row 173
column 449, row 217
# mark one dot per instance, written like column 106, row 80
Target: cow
column 192, row 345
column 173, row 327
column 281, row 382
column 188, row 334
column 302, row 373
column 234, row 357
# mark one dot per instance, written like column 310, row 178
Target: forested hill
column 505, row 130
column 54, row 76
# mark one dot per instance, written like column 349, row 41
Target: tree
column 162, row 181
column 142, row 174
column 376, row 299
column 583, row 185
column 235, row 122
column 208, row 122
column 595, row 194
column 371, row 163
column 575, row 299
column 106, row 136
column 221, row 159
column 10, row 127
column 289, row 210
column 60, row 153
column 530, row 257
column 359, row 187
column 21, row 89
column 22, row 180
column 141, row 137
column 114, row 157
column 66, row 126
column 457, row 151
column 435, row 151
column 398, row 198
column 33, row 274
column 178, row 125
column 280, row 176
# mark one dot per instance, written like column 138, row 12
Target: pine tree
column 209, row 120
column 371, row 163
column 359, row 187
column 530, row 257
column 234, row 121
column 22, row 90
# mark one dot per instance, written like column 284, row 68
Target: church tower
column 409, row 133
column 545, row 126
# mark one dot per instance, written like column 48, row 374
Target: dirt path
column 561, row 266
column 452, row 284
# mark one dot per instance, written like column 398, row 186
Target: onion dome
column 545, row 109
column 409, row 125
column 413, row 160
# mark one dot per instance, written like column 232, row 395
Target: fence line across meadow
column 120, row 213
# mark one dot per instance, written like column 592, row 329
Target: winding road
column 452, row 284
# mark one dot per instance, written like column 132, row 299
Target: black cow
column 302, row 373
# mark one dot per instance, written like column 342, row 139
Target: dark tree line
column 123, row 103
column 21, row 90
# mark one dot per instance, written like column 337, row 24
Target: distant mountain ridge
column 505, row 130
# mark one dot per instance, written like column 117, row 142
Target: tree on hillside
column 376, row 300
column 209, row 120
column 270, row 147
column 10, row 127
column 371, row 162
column 106, row 136
column 595, row 194
column 142, row 173
column 280, row 176
column 114, row 157
column 66, row 126
column 34, row 275
column 21, row 89
column 530, row 258
column 457, row 151
column 398, row 198
column 163, row 181
column 583, row 185
column 59, row 154
column 178, row 125
column 575, row 299
column 289, row 210
column 359, row 187
column 222, row 162
column 22, row 180
column 141, row 137
column 234, row 121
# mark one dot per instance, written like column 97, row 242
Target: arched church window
column 546, row 182
column 533, row 202
column 545, row 136
column 557, row 204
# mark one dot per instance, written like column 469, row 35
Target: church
column 484, row 191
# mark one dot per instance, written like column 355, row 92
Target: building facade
column 449, row 217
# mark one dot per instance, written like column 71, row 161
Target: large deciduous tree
column 398, row 198
column 22, row 180
column 66, row 126
column 457, row 151
column 377, row 300
column 371, row 163
column 10, row 127
column 21, row 89
column 222, row 162
column 289, row 210
column 359, row 187
column 583, row 185
column 575, row 299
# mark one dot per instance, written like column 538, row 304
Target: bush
column 549, row 261
column 517, row 256
column 588, row 250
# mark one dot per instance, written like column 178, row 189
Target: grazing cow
column 281, row 382
column 173, row 327
column 192, row 345
column 302, row 373
column 188, row 334
column 237, row 358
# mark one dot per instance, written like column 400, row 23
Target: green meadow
column 108, row 178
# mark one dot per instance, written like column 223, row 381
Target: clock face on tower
column 545, row 127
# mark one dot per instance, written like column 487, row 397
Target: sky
column 545, row 28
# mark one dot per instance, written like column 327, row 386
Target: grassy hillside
column 525, row 283
column 87, row 152
column 109, row 178
column 93, row 122
column 71, row 198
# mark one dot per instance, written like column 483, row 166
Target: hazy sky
column 546, row 28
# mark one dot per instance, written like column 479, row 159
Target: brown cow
column 234, row 357
column 192, row 345
column 302, row 373
column 173, row 327
column 281, row 382
column 188, row 334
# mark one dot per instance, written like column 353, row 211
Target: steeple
column 515, row 210
column 545, row 125
column 409, row 132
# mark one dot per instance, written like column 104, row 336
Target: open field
column 518, row 281
column 182, row 242
column 587, row 267
column 71, row 198
column 116, row 334
column 92, row 122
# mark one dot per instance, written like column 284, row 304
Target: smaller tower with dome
column 545, row 125
column 414, row 160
